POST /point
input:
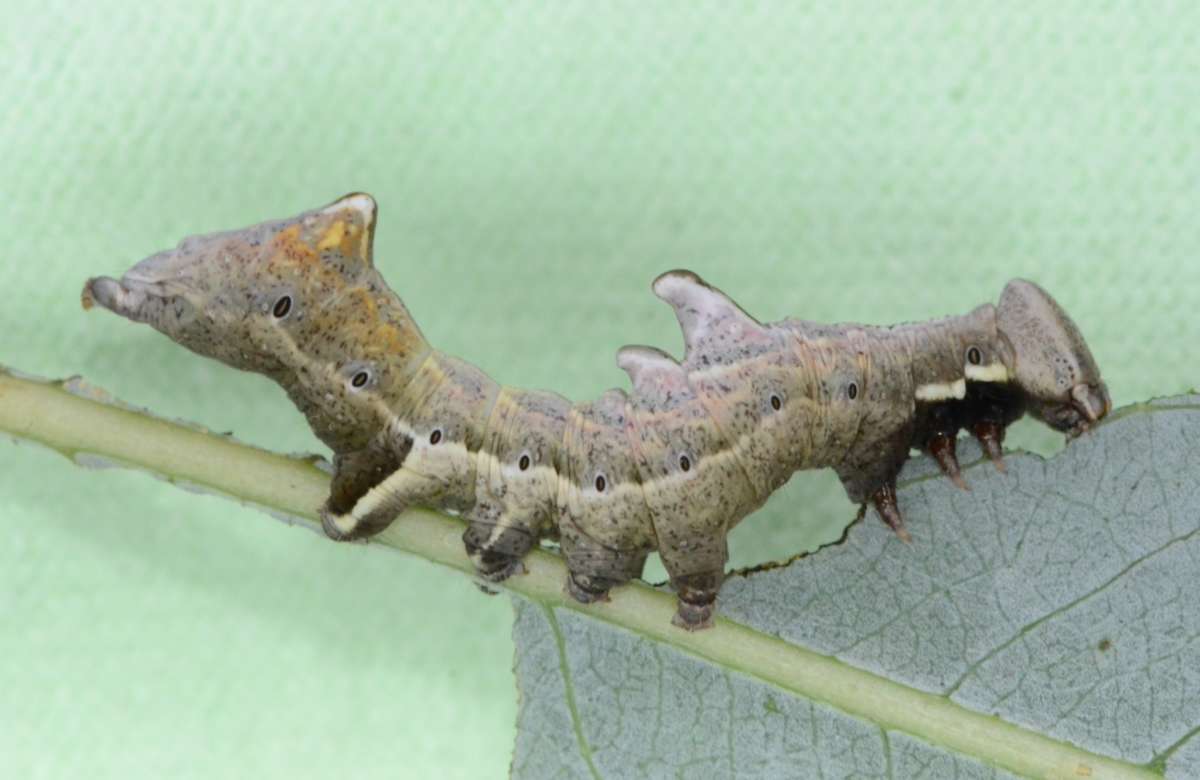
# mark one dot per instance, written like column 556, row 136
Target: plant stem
column 80, row 421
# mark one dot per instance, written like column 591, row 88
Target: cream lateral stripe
column 345, row 524
column 378, row 496
column 941, row 391
column 509, row 472
column 611, row 490
column 505, row 521
column 393, row 486
column 401, row 481
column 699, row 463
column 993, row 372
column 699, row 467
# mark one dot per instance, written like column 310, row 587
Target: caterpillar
column 671, row 465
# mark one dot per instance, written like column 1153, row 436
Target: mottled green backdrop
column 537, row 164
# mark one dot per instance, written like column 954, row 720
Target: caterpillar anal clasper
column 670, row 465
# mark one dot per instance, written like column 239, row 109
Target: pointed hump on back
column 653, row 372
column 345, row 228
column 710, row 320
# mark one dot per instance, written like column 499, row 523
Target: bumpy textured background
column 536, row 165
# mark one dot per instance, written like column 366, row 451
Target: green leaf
column 1059, row 597
column 1043, row 624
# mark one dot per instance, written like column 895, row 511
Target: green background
column 536, row 165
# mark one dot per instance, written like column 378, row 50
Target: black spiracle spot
column 974, row 356
column 601, row 483
column 523, row 463
column 436, row 436
column 852, row 391
column 685, row 463
column 282, row 307
column 776, row 402
column 360, row 379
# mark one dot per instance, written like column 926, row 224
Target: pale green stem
column 76, row 423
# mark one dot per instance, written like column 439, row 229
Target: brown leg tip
column 885, row 504
column 991, row 438
column 584, row 593
column 943, row 449
column 493, row 566
column 694, row 617
column 500, row 574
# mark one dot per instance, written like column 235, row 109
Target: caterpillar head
column 1050, row 363
column 225, row 295
column 295, row 299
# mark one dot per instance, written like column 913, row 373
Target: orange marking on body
column 293, row 247
column 334, row 236
column 375, row 331
column 362, row 299
column 352, row 243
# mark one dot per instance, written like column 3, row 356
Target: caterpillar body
column 671, row 466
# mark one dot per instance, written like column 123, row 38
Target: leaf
column 1060, row 598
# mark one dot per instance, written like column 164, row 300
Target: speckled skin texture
column 672, row 466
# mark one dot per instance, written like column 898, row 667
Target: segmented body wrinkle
column 671, row 465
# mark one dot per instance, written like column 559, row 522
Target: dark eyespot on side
column 776, row 402
column 360, row 379
column 523, row 463
column 282, row 307
column 685, row 463
column 974, row 356
column 436, row 436
column 852, row 390
column 601, row 483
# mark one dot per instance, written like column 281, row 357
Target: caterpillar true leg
column 884, row 500
column 988, row 410
column 991, row 437
column 941, row 441
column 943, row 448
